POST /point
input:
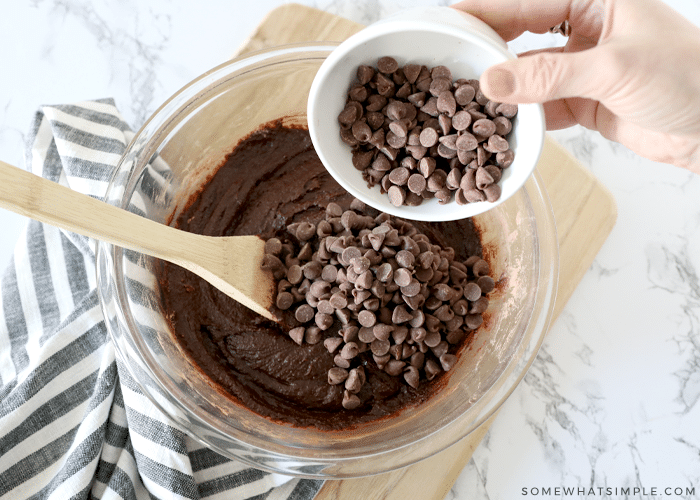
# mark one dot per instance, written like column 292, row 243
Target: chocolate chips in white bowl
column 374, row 289
column 419, row 134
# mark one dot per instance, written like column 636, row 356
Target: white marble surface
column 611, row 402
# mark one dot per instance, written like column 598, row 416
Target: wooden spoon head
column 239, row 273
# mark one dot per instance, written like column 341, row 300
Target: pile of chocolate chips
column 376, row 285
column 419, row 134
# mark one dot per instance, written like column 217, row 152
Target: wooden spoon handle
column 230, row 264
column 46, row 201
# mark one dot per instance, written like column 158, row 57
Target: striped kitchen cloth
column 73, row 422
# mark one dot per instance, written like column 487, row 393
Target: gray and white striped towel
column 73, row 423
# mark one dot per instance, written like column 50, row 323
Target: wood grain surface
column 585, row 213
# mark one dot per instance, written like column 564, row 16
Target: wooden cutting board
column 585, row 213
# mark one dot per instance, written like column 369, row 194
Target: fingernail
column 500, row 83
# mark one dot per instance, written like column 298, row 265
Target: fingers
column 679, row 150
column 511, row 18
column 547, row 76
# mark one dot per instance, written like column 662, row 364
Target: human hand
column 630, row 69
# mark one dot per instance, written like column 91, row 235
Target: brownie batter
column 271, row 179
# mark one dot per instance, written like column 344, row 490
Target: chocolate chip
column 312, row 270
column 367, row 318
column 354, row 382
column 484, row 127
column 411, row 72
column 486, row 284
column 337, row 375
column 395, row 351
column 313, row 335
column 332, row 343
column 417, row 359
column 382, row 331
column 473, row 321
column 387, row 65
column 497, row 144
column 365, row 73
column 447, row 361
column 428, row 137
column 397, row 196
column 406, row 259
column 320, row 288
column 432, row 369
column 273, row 246
column 338, row 300
column 297, row 334
column 461, row 120
column 349, row 139
column 341, row 361
column 507, row 110
column 412, row 289
column 472, row 292
column 432, row 339
column 466, row 142
column 394, row 367
column 358, row 93
column 360, row 295
column 360, row 264
column 400, row 315
column 380, row 347
column 479, row 306
column 446, row 102
column 443, row 195
column 505, row 158
column 480, row 267
column 474, row 195
column 385, row 86
column 385, row 273
column 416, row 183
column 430, row 107
column 351, row 252
column 418, row 333
column 483, row 178
column 445, row 123
column 349, row 350
column 350, row 401
column 440, row 349
column 402, row 277
column 366, row 334
column 426, row 166
column 285, row 300
column 364, row 280
column 464, row 94
column 323, row 321
column 461, row 307
column 361, row 131
column 412, row 377
column 304, row 313
column 503, row 125
column 399, row 176
column 454, row 178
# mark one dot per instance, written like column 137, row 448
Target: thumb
column 545, row 76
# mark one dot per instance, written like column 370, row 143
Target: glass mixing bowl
column 169, row 159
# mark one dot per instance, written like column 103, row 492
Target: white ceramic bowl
column 426, row 35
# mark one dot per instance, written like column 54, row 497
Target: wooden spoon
column 231, row 264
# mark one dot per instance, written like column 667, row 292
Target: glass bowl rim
column 169, row 110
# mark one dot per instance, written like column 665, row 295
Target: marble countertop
column 613, row 399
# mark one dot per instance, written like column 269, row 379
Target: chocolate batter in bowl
column 172, row 157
